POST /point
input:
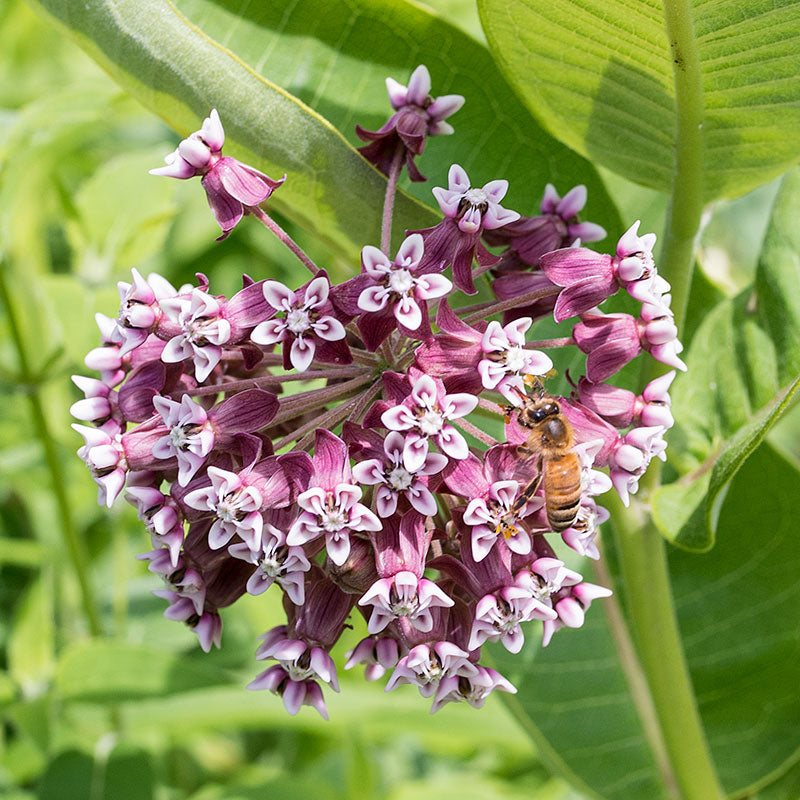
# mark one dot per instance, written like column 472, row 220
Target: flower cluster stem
column 284, row 237
column 485, row 310
column 388, row 201
column 316, row 398
column 651, row 611
column 75, row 547
column 266, row 380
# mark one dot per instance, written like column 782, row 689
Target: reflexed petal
column 316, row 292
column 410, row 252
column 430, row 286
column 280, row 297
column 397, row 93
column 373, row 298
column 444, row 105
column 329, row 328
column 268, row 332
column 302, row 353
column 453, row 443
column 457, row 179
column 572, row 202
column 408, row 313
column 374, row 262
column 496, row 190
column 419, row 86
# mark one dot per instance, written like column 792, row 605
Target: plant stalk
column 651, row 612
column 75, row 546
column 388, row 200
column 284, row 237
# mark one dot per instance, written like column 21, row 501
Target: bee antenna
column 569, row 379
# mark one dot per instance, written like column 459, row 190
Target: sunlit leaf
column 599, row 74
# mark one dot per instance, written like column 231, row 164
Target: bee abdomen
column 562, row 490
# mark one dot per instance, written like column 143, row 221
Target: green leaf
column 243, row 60
column 103, row 671
column 744, row 363
column 31, row 643
column 737, row 612
column 68, row 777
column 599, row 76
column 737, row 608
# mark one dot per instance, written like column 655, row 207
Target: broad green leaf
column 68, row 777
column 744, row 363
column 737, row 608
column 128, row 774
column 32, row 640
column 106, row 671
column 737, row 611
column 599, row 75
column 778, row 278
column 244, row 60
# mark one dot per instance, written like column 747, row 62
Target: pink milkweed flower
column 106, row 359
column 275, row 562
column 99, row 403
column 474, row 690
column 140, row 309
column 492, row 489
column 403, row 595
column 236, row 505
column 498, row 616
column 589, row 278
column 417, row 115
column 396, row 291
column 426, row 665
column 632, row 456
column 330, row 506
column 379, row 653
column 161, row 516
column 296, row 673
column 104, row 454
column 231, row 186
column 306, row 328
column 622, row 408
column 425, row 413
column 456, row 239
column 194, row 432
column 581, row 536
column 204, row 330
column 545, row 578
column 394, row 479
column 529, row 238
column 609, row 340
column 506, row 361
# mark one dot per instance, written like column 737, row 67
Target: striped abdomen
column 562, row 490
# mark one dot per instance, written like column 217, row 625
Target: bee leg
column 526, row 494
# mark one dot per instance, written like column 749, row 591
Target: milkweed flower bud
column 231, row 186
column 417, row 116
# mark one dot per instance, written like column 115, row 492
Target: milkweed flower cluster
column 375, row 490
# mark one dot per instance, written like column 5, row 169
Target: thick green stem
column 643, row 564
column 75, row 546
column 642, row 550
column 686, row 200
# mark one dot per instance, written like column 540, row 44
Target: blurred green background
column 141, row 712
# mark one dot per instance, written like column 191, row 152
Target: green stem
column 645, row 575
column 686, row 200
column 75, row 546
column 642, row 550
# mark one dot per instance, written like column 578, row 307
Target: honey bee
column 551, row 438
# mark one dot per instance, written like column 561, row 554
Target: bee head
column 536, row 411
